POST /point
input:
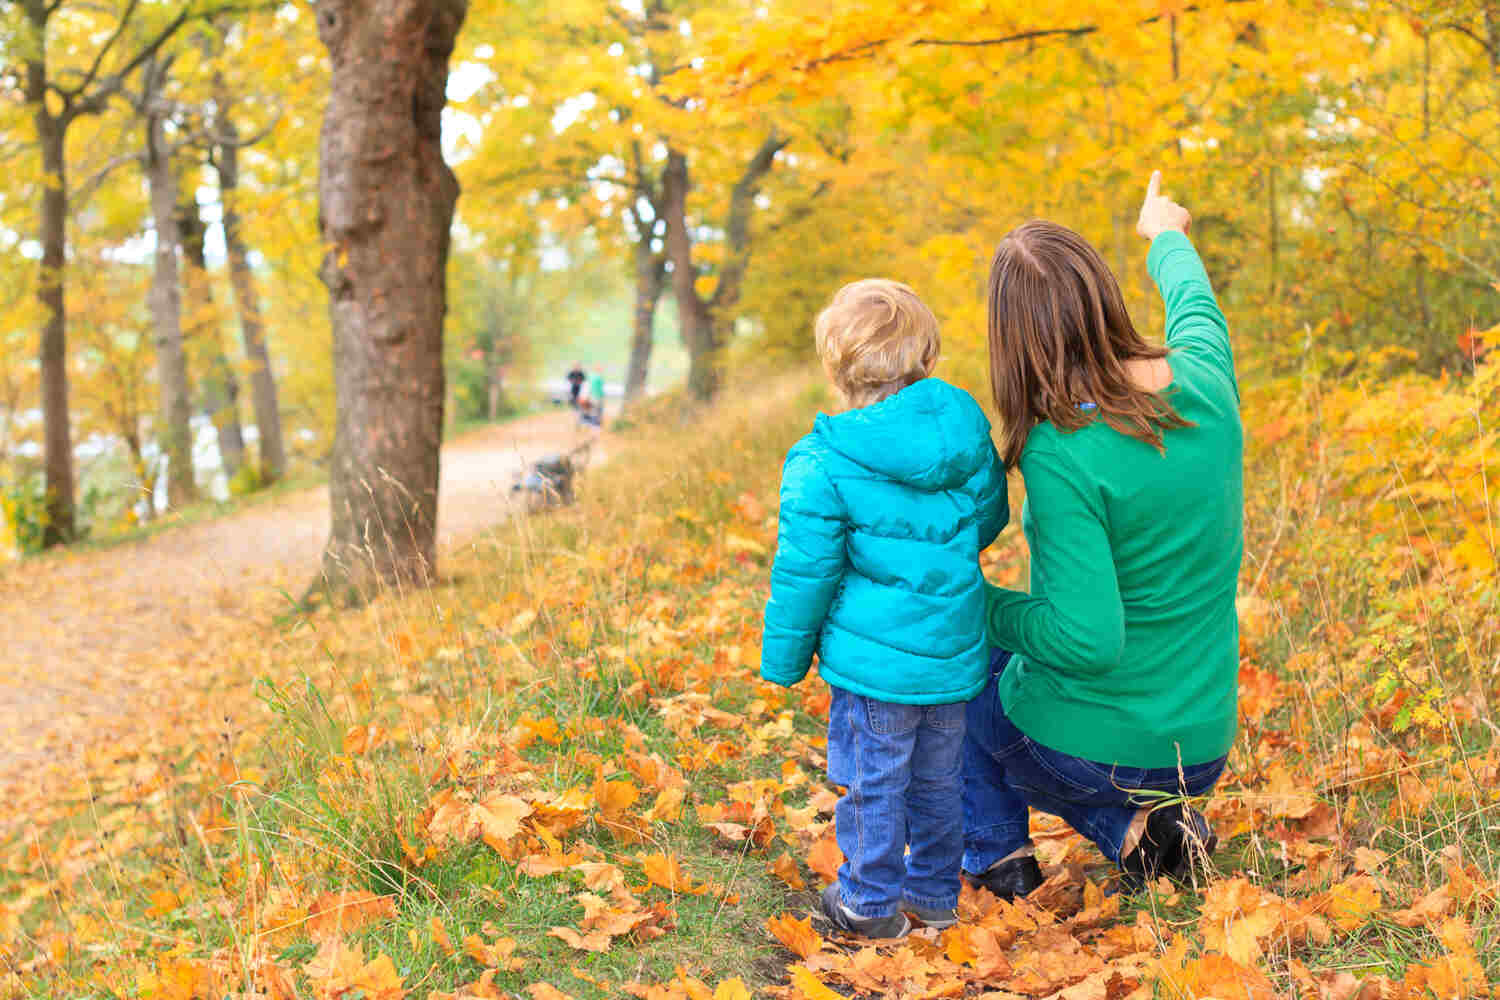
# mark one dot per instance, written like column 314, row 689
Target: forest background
column 673, row 189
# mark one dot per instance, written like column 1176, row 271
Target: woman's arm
column 808, row 569
column 1076, row 620
column 1195, row 323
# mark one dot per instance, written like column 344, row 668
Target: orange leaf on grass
column 785, row 868
column 666, row 871
column 798, row 935
column 825, row 857
column 440, row 935
column 614, row 797
column 592, row 941
column 342, row 912
column 493, row 956
column 338, row 971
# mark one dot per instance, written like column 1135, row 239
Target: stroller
column 549, row 481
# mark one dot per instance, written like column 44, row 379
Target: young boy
column 884, row 511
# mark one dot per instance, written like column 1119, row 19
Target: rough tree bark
column 219, row 387
column 386, row 208
column 242, row 281
column 704, row 328
column 57, row 441
column 166, row 301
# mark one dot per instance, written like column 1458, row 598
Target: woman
column 1112, row 694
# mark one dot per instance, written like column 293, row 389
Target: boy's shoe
column 1173, row 837
column 849, row 922
column 1009, row 879
column 938, row 920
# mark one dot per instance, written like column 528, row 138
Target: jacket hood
column 930, row 435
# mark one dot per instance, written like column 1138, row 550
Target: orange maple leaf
column 797, row 935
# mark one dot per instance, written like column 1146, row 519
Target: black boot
column 1173, row 835
column 1009, row 879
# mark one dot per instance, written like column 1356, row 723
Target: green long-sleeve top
column 1127, row 646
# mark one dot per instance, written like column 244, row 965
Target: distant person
column 596, row 393
column 576, row 378
column 884, row 511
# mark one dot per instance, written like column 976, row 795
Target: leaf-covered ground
column 556, row 774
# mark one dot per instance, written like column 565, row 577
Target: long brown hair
column 1059, row 340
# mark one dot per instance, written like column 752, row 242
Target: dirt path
column 82, row 635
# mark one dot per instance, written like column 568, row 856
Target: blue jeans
column 900, row 765
column 1006, row 773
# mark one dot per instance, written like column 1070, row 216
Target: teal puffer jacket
column 884, row 511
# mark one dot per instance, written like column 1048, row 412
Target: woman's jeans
column 900, row 765
column 1005, row 773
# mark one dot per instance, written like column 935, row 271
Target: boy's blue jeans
column 1006, row 773
column 900, row 764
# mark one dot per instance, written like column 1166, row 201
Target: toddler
column 884, row 511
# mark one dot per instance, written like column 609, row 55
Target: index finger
column 1153, row 187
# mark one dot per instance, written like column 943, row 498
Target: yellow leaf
column 809, row 986
column 732, row 989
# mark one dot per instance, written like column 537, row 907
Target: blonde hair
column 876, row 338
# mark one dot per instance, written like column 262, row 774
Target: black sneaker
column 849, row 922
column 938, row 920
column 1010, row 879
column 1174, row 836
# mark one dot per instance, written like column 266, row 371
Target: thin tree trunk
column 220, row 388
column 386, row 208
column 650, row 277
column 693, row 314
column 57, row 446
column 166, row 313
column 252, row 330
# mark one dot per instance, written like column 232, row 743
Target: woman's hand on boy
column 1159, row 213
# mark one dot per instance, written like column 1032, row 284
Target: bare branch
column 737, row 230
column 92, row 72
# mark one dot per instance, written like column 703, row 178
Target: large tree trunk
column 694, row 315
column 57, row 447
column 386, row 208
column 205, row 338
column 252, row 330
column 650, row 276
column 166, row 313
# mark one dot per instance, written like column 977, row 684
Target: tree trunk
column 166, row 313
column 693, row 314
column 57, row 449
column 220, row 388
column 650, row 276
column 252, row 331
column 386, row 207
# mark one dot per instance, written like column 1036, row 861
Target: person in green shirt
column 1113, row 688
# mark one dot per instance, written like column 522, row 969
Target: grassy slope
column 589, row 665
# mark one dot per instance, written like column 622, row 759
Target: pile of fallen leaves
column 562, row 777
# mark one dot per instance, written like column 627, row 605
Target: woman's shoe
column 1009, row 879
column 1173, row 836
column 849, row 922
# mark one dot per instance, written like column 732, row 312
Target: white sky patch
column 462, row 134
column 571, row 110
column 466, row 79
column 633, row 7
